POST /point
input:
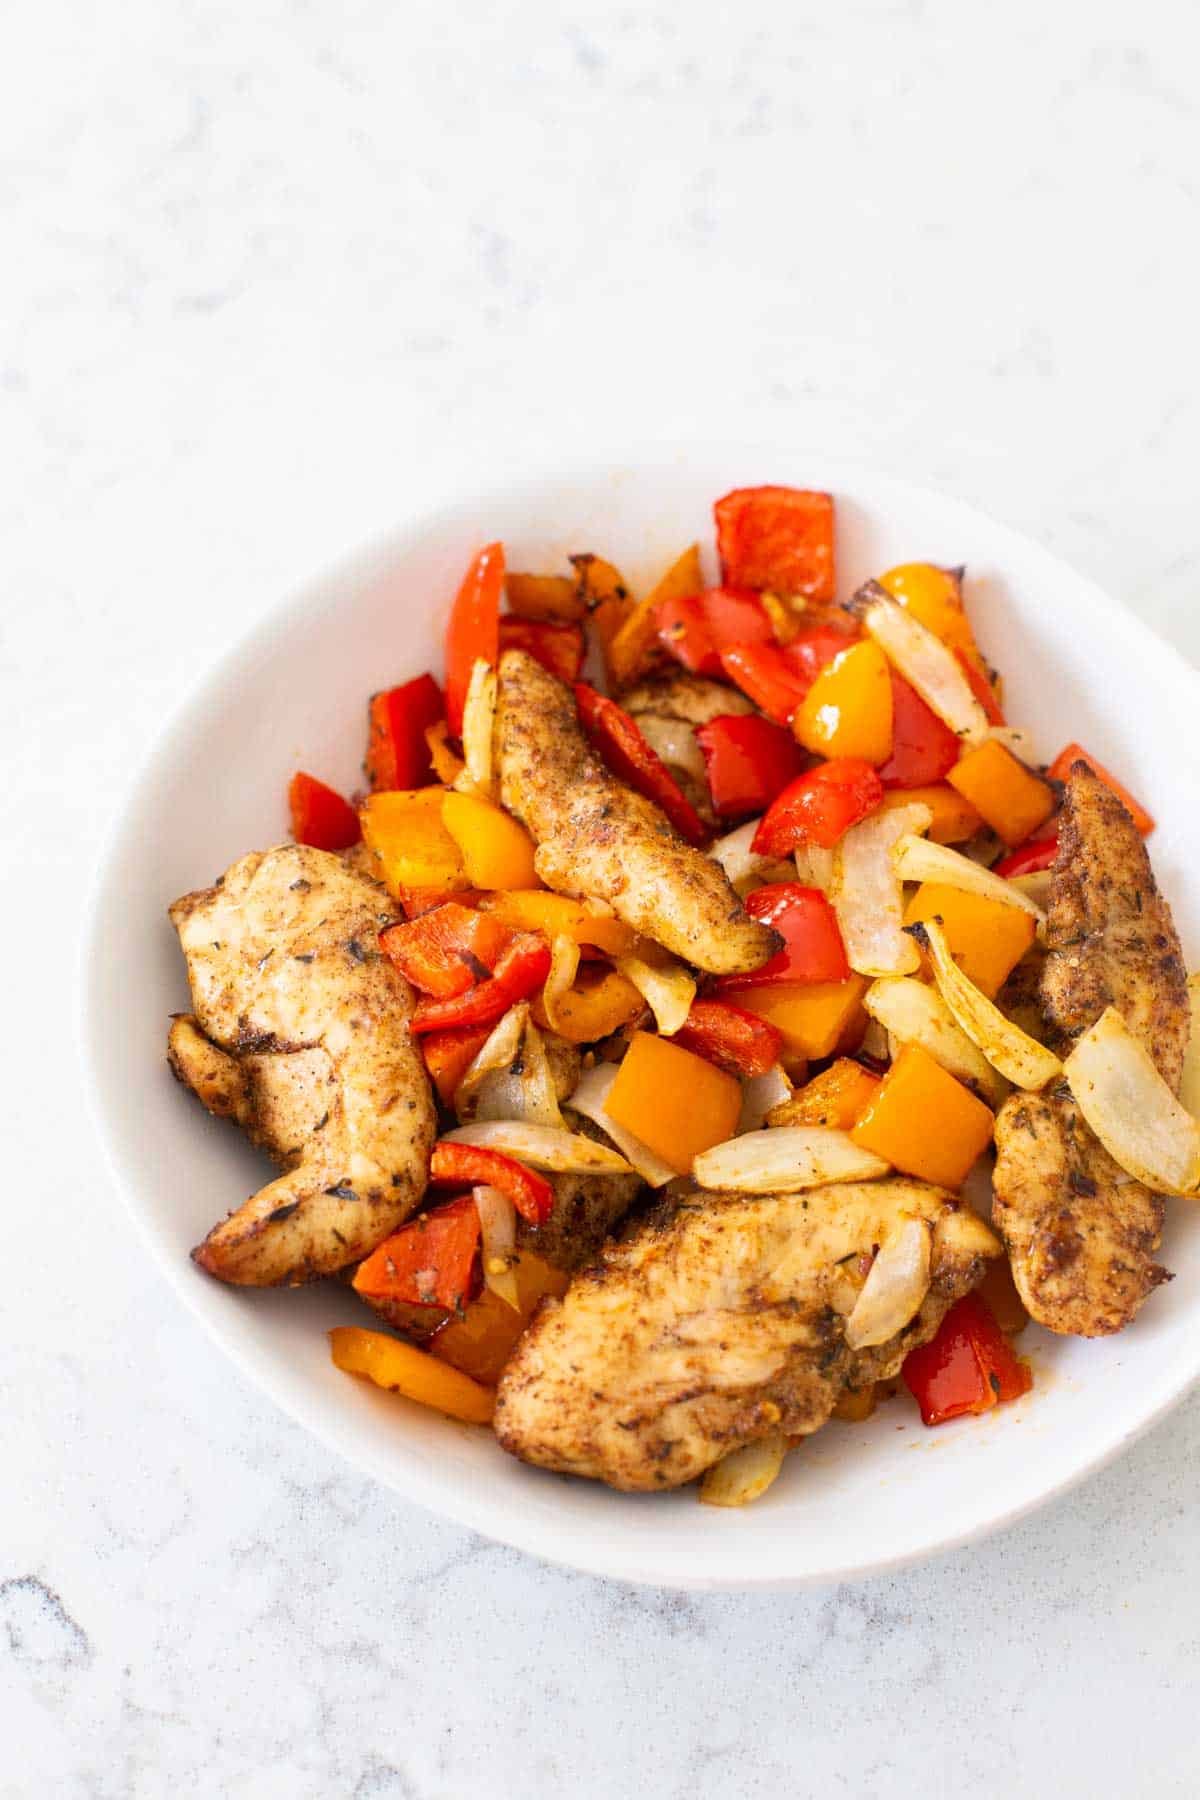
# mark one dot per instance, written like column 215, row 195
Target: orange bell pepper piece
column 1011, row 800
column 496, row 851
column 987, row 939
column 548, row 599
column 604, row 596
column 447, row 764
column 675, row 1102
column 635, row 645
column 391, row 1364
column 848, row 709
column 482, row 1340
column 405, row 830
column 554, row 915
column 837, row 1097
column 813, row 1018
column 1060, row 768
column 954, row 818
column 924, row 1122
column 599, row 1003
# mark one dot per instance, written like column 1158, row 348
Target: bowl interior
column 854, row 1498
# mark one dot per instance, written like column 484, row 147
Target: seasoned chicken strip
column 1080, row 1232
column 596, row 838
column 716, row 1320
column 689, row 698
column 301, row 1035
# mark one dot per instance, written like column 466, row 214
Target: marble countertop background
column 270, row 272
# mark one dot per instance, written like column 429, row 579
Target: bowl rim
column 593, row 1554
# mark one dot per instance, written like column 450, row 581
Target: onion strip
column 542, row 1147
column 498, row 1231
column 895, row 1287
column 1019, row 1058
column 663, row 982
column 923, row 660
column 1131, row 1109
column 744, row 868
column 916, row 859
column 784, row 1159
column 867, row 894
column 913, row 1013
column 745, row 1474
column 478, row 730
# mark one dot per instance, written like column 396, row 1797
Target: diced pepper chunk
column 812, row 951
column 1012, row 800
column 767, row 676
column 955, row 820
column 554, row 915
column 449, row 1054
column 697, row 628
column 552, row 598
column 320, row 817
column 748, row 761
column 924, row 1122
column 812, row 1018
column 428, row 1262
column 398, row 754
column 496, row 850
column 411, row 1372
column 559, row 648
column 987, row 939
column 819, row 807
column 446, row 951
column 414, row 849
column 605, row 597
column 779, row 538
column 519, row 973
column 924, row 749
column 1060, row 768
column 600, row 1002
column 482, row 1340
column 968, row 1367
column 675, row 1102
column 736, row 1040
column 837, row 1097
column 635, row 646
column 848, row 710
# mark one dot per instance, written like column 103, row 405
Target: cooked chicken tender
column 301, row 1035
column 689, row 698
column 1080, row 1232
column 716, row 1320
column 597, row 839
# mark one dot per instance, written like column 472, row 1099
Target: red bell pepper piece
column 397, row 753
column 779, row 538
column 812, row 943
column 765, row 675
column 530, row 1193
column 430, row 1262
column 320, row 817
column 810, row 651
column 737, row 1041
column 1034, row 854
column 559, row 648
column 924, row 749
column 969, row 1366
column 748, row 760
column 521, row 970
column 474, row 629
column 628, row 755
column 820, row 807
column 448, row 950
column 698, row 627
column 415, row 902
column 981, row 687
column 1060, row 768
column 449, row 1054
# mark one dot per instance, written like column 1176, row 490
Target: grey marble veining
column 269, row 273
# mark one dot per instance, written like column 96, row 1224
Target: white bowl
column 854, row 1499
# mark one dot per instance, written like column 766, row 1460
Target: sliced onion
column 894, row 1289
column 564, row 966
column 493, row 1064
column 783, row 1159
column 867, row 894
column 1017, row 739
column 876, row 1038
column 498, row 1249
column 815, row 866
column 1035, row 886
column 745, row 1474
column 477, row 775
column 539, row 1090
column 589, row 1098
column 913, row 1013
column 675, row 743
column 760, row 1095
column 663, row 982
column 916, row 859
column 1019, row 1058
column 744, row 869
column 542, row 1147
column 923, row 660
column 1131, row 1109
column 1189, row 1085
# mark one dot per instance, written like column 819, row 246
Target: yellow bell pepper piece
column 848, row 709
column 552, row 598
column 1013, row 801
column 599, row 1003
column 497, row 852
column 404, row 829
column 954, row 818
column 556, row 916
column 482, row 1340
column 836, row 1097
column 633, row 646
column 389, row 1363
column 814, row 1018
column 677, row 1103
column 987, row 939
column 924, row 1122
column 934, row 597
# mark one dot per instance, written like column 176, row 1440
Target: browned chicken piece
column 717, row 1320
column 300, row 1034
column 1081, row 1233
column 689, row 698
column 597, row 839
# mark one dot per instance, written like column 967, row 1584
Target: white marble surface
column 269, row 273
